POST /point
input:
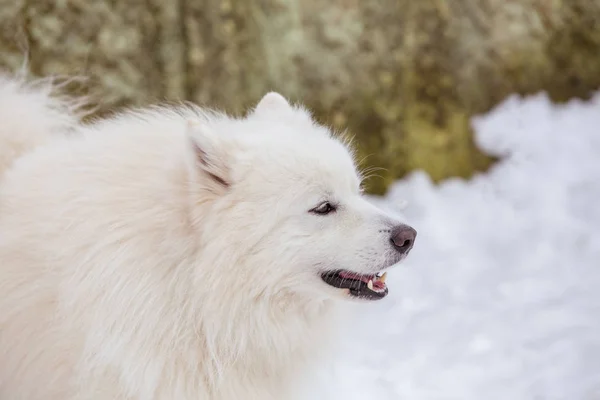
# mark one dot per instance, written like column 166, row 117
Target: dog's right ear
column 209, row 154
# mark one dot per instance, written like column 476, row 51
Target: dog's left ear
column 272, row 102
column 209, row 154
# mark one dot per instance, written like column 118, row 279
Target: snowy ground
column 500, row 298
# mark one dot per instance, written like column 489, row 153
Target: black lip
column 357, row 288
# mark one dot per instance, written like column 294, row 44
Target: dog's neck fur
column 278, row 326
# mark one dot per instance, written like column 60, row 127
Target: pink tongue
column 364, row 278
column 378, row 284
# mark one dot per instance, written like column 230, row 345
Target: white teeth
column 370, row 285
column 383, row 277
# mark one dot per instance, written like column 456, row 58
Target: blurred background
column 404, row 76
column 483, row 115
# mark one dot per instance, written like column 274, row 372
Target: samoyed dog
column 176, row 253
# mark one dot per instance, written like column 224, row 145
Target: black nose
column 403, row 238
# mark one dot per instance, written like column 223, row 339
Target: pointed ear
column 209, row 155
column 272, row 102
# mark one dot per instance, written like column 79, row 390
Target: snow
column 500, row 298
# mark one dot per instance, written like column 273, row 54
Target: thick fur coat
column 172, row 253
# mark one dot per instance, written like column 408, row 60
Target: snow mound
column 500, row 298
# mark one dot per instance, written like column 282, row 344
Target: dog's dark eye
column 323, row 208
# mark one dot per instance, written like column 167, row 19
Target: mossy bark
column 404, row 76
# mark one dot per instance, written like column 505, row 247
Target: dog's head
column 283, row 196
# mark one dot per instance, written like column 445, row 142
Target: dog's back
column 31, row 114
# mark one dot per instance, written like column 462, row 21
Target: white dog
column 175, row 253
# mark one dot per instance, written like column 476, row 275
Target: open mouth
column 368, row 287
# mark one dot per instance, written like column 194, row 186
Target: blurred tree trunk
column 404, row 76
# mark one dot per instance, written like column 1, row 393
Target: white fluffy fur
column 128, row 270
column 29, row 116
